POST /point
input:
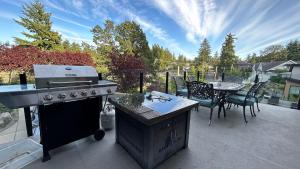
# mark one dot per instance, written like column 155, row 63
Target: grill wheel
column 99, row 134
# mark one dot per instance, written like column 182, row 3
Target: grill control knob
column 62, row 96
column 74, row 94
column 48, row 97
column 93, row 92
column 108, row 91
column 83, row 93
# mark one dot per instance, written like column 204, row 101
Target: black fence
column 167, row 82
column 23, row 81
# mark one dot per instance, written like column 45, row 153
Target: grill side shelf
column 17, row 96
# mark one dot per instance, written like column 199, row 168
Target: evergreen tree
column 66, row 45
column 163, row 57
column 101, row 61
column 86, row 47
column 204, row 52
column 104, row 37
column 203, row 58
column 228, row 57
column 181, row 61
column 252, row 58
column 126, row 38
column 37, row 21
column 293, row 50
column 75, row 47
column 104, row 40
column 215, row 60
column 132, row 39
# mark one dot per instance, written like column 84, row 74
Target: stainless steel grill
column 56, row 83
column 68, row 100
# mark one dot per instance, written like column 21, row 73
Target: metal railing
column 27, row 112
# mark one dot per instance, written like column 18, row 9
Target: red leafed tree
column 69, row 58
column 125, row 68
column 20, row 59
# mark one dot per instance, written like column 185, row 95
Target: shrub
column 21, row 59
column 277, row 79
column 125, row 69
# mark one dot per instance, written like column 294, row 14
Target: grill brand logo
column 70, row 75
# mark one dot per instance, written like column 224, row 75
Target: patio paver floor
column 271, row 140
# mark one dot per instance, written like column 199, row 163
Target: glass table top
column 155, row 102
column 227, row 85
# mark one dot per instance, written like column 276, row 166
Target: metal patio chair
column 192, row 78
column 245, row 100
column 256, row 92
column 180, row 84
column 204, row 94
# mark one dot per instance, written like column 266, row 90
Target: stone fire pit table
column 152, row 126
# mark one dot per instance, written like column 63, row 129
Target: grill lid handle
column 70, row 82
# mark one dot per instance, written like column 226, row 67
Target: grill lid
column 51, row 76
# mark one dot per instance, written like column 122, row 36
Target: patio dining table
column 223, row 89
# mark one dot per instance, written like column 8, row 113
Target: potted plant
column 274, row 100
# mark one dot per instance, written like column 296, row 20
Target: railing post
column 100, row 76
column 184, row 75
column 167, row 82
column 141, row 82
column 198, row 75
column 256, row 78
column 299, row 101
column 223, row 76
column 101, row 97
column 28, row 122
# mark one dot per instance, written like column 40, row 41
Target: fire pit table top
column 150, row 108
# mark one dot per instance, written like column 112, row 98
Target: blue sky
column 179, row 25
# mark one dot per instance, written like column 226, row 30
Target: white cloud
column 15, row 3
column 62, row 30
column 62, row 9
column 249, row 20
column 280, row 40
column 78, row 4
column 99, row 9
column 7, row 15
column 157, row 32
column 147, row 26
column 72, row 36
column 71, row 22
column 198, row 19
column 77, row 39
column 256, row 24
column 264, row 31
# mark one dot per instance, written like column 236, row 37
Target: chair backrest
column 251, row 92
column 179, row 82
column 200, row 90
column 192, row 78
column 260, row 86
